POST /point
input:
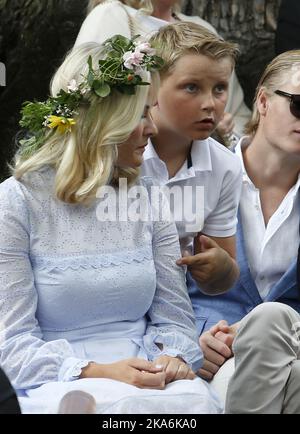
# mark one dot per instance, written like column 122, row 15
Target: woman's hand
column 138, row 372
column 175, row 369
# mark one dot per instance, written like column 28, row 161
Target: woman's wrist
column 94, row 370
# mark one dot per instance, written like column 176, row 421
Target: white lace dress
column 74, row 289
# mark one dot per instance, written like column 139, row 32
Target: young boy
column 191, row 102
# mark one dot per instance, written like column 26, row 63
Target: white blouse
column 69, row 281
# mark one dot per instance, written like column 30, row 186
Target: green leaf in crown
column 120, row 70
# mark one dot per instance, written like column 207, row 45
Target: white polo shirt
column 210, row 182
column 273, row 248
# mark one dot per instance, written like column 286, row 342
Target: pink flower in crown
column 133, row 60
column 146, row 48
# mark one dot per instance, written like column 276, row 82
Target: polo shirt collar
column 200, row 155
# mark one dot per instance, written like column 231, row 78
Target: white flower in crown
column 133, row 59
column 72, row 86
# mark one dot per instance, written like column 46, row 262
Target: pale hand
column 138, row 372
column 175, row 369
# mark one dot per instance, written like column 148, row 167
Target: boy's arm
column 213, row 265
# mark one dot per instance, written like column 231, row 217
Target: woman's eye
column 191, row 87
column 146, row 112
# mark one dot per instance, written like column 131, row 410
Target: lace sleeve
column 25, row 357
column 172, row 321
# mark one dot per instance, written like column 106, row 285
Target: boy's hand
column 209, row 266
column 216, row 345
column 226, row 125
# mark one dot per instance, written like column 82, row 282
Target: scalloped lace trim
column 76, row 371
column 92, row 261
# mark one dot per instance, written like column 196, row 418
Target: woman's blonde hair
column 85, row 159
column 144, row 5
column 284, row 68
column 178, row 39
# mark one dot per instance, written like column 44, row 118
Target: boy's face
column 192, row 99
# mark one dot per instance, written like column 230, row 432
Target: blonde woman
column 108, row 17
column 91, row 298
column 266, row 342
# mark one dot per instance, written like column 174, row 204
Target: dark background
column 36, row 34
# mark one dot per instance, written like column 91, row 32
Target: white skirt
column 114, row 397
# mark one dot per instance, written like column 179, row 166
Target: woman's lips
column 142, row 147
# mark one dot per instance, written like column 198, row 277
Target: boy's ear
column 262, row 102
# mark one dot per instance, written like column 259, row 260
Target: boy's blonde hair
column 145, row 5
column 285, row 68
column 85, row 159
column 175, row 40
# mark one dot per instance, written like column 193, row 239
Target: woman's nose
column 150, row 127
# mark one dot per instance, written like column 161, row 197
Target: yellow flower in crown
column 62, row 124
column 119, row 70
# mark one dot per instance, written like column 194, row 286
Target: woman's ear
column 262, row 101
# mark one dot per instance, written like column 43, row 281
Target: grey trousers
column 267, row 366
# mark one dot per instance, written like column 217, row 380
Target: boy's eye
column 190, row 87
column 220, row 88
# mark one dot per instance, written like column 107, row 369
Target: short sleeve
column 222, row 221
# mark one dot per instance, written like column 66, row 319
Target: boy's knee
column 264, row 321
column 267, row 314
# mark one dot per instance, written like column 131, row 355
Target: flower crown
column 125, row 60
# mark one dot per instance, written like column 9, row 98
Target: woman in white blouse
column 91, row 298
